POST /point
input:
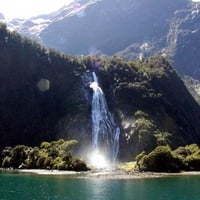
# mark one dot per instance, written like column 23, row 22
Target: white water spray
column 105, row 133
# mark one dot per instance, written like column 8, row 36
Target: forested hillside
column 42, row 98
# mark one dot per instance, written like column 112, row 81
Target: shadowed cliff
column 42, row 97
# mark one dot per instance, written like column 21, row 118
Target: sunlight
column 98, row 160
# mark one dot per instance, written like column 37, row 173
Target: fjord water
column 40, row 187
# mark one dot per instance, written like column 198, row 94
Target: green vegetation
column 50, row 155
column 128, row 166
column 33, row 113
column 147, row 98
column 163, row 159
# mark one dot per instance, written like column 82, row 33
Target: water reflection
column 32, row 187
column 101, row 189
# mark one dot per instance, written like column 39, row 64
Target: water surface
column 16, row 186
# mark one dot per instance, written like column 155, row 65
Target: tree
column 159, row 160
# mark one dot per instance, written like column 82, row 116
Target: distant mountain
column 43, row 97
column 130, row 28
column 110, row 26
column 1, row 16
column 180, row 44
column 34, row 26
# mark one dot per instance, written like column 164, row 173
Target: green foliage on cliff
column 29, row 114
column 43, row 98
column 50, row 155
column 163, row 159
column 153, row 87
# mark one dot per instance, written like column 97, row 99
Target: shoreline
column 41, row 171
column 100, row 174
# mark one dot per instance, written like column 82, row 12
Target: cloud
column 30, row 8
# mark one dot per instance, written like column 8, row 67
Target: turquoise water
column 39, row 187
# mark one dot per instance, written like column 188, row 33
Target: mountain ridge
column 129, row 29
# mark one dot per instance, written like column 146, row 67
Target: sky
column 29, row 8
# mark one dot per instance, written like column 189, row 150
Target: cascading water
column 105, row 133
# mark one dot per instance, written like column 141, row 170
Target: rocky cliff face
column 183, row 41
column 179, row 44
column 43, row 98
column 193, row 87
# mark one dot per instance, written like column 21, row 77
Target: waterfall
column 105, row 133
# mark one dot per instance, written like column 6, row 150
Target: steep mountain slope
column 37, row 88
column 35, row 25
column 153, row 104
column 180, row 45
column 43, row 97
column 184, row 41
column 111, row 26
column 193, row 86
column 131, row 29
